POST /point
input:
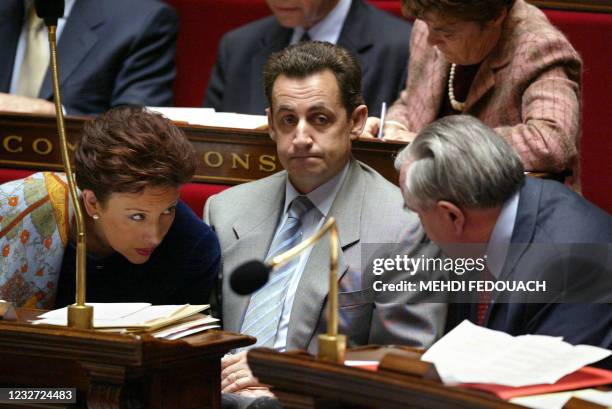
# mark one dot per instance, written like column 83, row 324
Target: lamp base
column 80, row 316
column 332, row 348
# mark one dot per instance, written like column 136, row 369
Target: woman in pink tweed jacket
column 500, row 61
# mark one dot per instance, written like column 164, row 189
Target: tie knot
column 305, row 37
column 299, row 207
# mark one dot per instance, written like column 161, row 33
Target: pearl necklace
column 457, row 106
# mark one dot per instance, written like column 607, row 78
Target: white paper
column 473, row 354
column 208, row 117
column 117, row 314
column 205, row 320
column 102, row 311
column 558, row 400
column 190, row 331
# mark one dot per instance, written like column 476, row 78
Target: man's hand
column 17, row 103
column 236, row 377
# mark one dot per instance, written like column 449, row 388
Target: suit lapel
column 273, row 41
column 254, row 232
column 314, row 283
column 77, row 40
column 356, row 35
column 11, row 20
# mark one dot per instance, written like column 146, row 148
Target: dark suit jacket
column 379, row 40
column 111, row 52
column 558, row 236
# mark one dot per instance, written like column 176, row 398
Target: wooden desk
column 116, row 371
column 300, row 381
column 227, row 156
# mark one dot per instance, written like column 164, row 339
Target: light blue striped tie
column 266, row 305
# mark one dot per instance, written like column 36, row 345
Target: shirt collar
column 322, row 197
column 327, row 29
column 497, row 249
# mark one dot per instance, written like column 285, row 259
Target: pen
column 381, row 127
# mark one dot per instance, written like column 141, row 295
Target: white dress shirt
column 21, row 44
column 322, row 198
column 327, row 29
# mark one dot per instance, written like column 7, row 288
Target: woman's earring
column 95, row 216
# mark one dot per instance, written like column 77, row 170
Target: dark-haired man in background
column 110, row 53
column 316, row 111
column 378, row 40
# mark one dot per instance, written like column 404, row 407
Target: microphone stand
column 331, row 345
column 79, row 315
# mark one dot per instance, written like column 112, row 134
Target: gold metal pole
column 79, row 315
column 331, row 346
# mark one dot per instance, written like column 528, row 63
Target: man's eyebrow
column 284, row 107
column 318, row 107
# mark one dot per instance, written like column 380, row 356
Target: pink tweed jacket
column 527, row 89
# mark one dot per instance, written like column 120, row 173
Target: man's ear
column 454, row 216
column 358, row 120
column 271, row 129
column 92, row 205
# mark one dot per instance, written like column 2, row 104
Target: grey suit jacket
column 378, row 40
column 368, row 209
column 111, row 52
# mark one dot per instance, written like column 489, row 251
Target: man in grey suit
column 110, row 53
column 379, row 40
column 316, row 111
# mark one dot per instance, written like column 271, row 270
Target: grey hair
column 461, row 160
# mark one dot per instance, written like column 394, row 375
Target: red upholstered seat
column 590, row 34
column 202, row 24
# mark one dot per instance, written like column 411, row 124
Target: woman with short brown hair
column 143, row 243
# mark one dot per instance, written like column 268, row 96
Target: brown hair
column 479, row 11
column 310, row 57
column 128, row 149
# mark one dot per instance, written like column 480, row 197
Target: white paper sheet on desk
column 558, row 400
column 115, row 314
column 209, row 117
column 473, row 354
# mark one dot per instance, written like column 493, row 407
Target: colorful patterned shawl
column 35, row 215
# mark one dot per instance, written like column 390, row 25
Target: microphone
column 250, row 277
column 80, row 315
column 49, row 10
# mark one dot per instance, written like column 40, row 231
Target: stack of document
column 163, row 321
column 209, row 117
column 473, row 354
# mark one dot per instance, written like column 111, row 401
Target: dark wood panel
column 305, row 382
column 113, row 370
column 226, row 156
